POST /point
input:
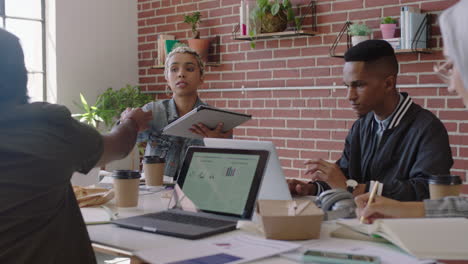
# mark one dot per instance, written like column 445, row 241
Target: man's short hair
column 377, row 55
column 13, row 74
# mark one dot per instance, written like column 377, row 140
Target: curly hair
column 184, row 50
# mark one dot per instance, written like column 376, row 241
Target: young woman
column 454, row 71
column 184, row 73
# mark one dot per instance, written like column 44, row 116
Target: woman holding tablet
column 184, row 73
column 454, row 71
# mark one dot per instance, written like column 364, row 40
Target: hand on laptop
column 328, row 172
column 217, row 132
column 301, row 188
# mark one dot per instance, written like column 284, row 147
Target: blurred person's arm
column 121, row 140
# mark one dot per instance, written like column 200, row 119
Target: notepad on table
column 207, row 115
column 425, row 238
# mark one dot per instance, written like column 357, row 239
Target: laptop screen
column 223, row 181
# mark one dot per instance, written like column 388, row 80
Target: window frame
column 42, row 20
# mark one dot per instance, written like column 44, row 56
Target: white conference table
column 110, row 239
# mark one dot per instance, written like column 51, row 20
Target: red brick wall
column 303, row 118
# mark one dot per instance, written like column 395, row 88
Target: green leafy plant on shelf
column 388, row 20
column 359, row 29
column 194, row 21
column 110, row 104
column 272, row 16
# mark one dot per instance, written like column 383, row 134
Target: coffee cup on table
column 444, row 185
column 153, row 167
column 126, row 183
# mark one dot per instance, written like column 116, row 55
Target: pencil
column 371, row 197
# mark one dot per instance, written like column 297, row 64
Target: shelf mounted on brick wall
column 310, row 10
column 343, row 31
column 413, row 49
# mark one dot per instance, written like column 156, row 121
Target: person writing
column 454, row 71
column 41, row 145
column 184, row 72
column 394, row 141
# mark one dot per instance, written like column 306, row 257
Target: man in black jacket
column 394, row 141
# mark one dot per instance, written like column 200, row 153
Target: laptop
column 274, row 185
column 222, row 183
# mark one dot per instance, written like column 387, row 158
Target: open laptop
column 222, row 183
column 274, row 185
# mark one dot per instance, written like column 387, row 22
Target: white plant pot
column 357, row 39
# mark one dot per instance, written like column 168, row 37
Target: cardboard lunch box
column 290, row 220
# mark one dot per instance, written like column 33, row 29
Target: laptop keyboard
column 190, row 219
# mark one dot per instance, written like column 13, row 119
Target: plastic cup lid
column 126, row 174
column 445, row 179
column 153, row 159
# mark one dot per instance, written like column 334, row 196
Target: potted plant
column 388, row 27
column 109, row 105
column 199, row 45
column 359, row 32
column 106, row 111
column 272, row 16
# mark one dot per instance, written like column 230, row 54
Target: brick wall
column 305, row 113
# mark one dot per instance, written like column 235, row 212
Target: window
column 25, row 19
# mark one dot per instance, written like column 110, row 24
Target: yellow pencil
column 371, row 198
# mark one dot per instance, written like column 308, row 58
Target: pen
column 371, row 198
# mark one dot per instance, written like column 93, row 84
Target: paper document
column 231, row 249
column 207, row 115
column 434, row 238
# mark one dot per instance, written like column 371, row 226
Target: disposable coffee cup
column 153, row 166
column 126, row 184
column 444, row 185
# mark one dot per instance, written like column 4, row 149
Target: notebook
column 222, row 183
column 274, row 185
column 207, row 115
column 425, row 238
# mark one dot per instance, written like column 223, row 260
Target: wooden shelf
column 279, row 35
column 211, row 64
column 399, row 51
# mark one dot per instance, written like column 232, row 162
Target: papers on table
column 231, row 249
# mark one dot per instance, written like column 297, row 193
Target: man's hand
column 137, row 115
column 383, row 207
column 217, row 132
column 325, row 171
column 301, row 188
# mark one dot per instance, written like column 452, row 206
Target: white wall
column 96, row 48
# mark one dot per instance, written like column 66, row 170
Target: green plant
column 388, row 20
column 281, row 9
column 90, row 115
column 194, row 21
column 110, row 104
column 359, row 29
